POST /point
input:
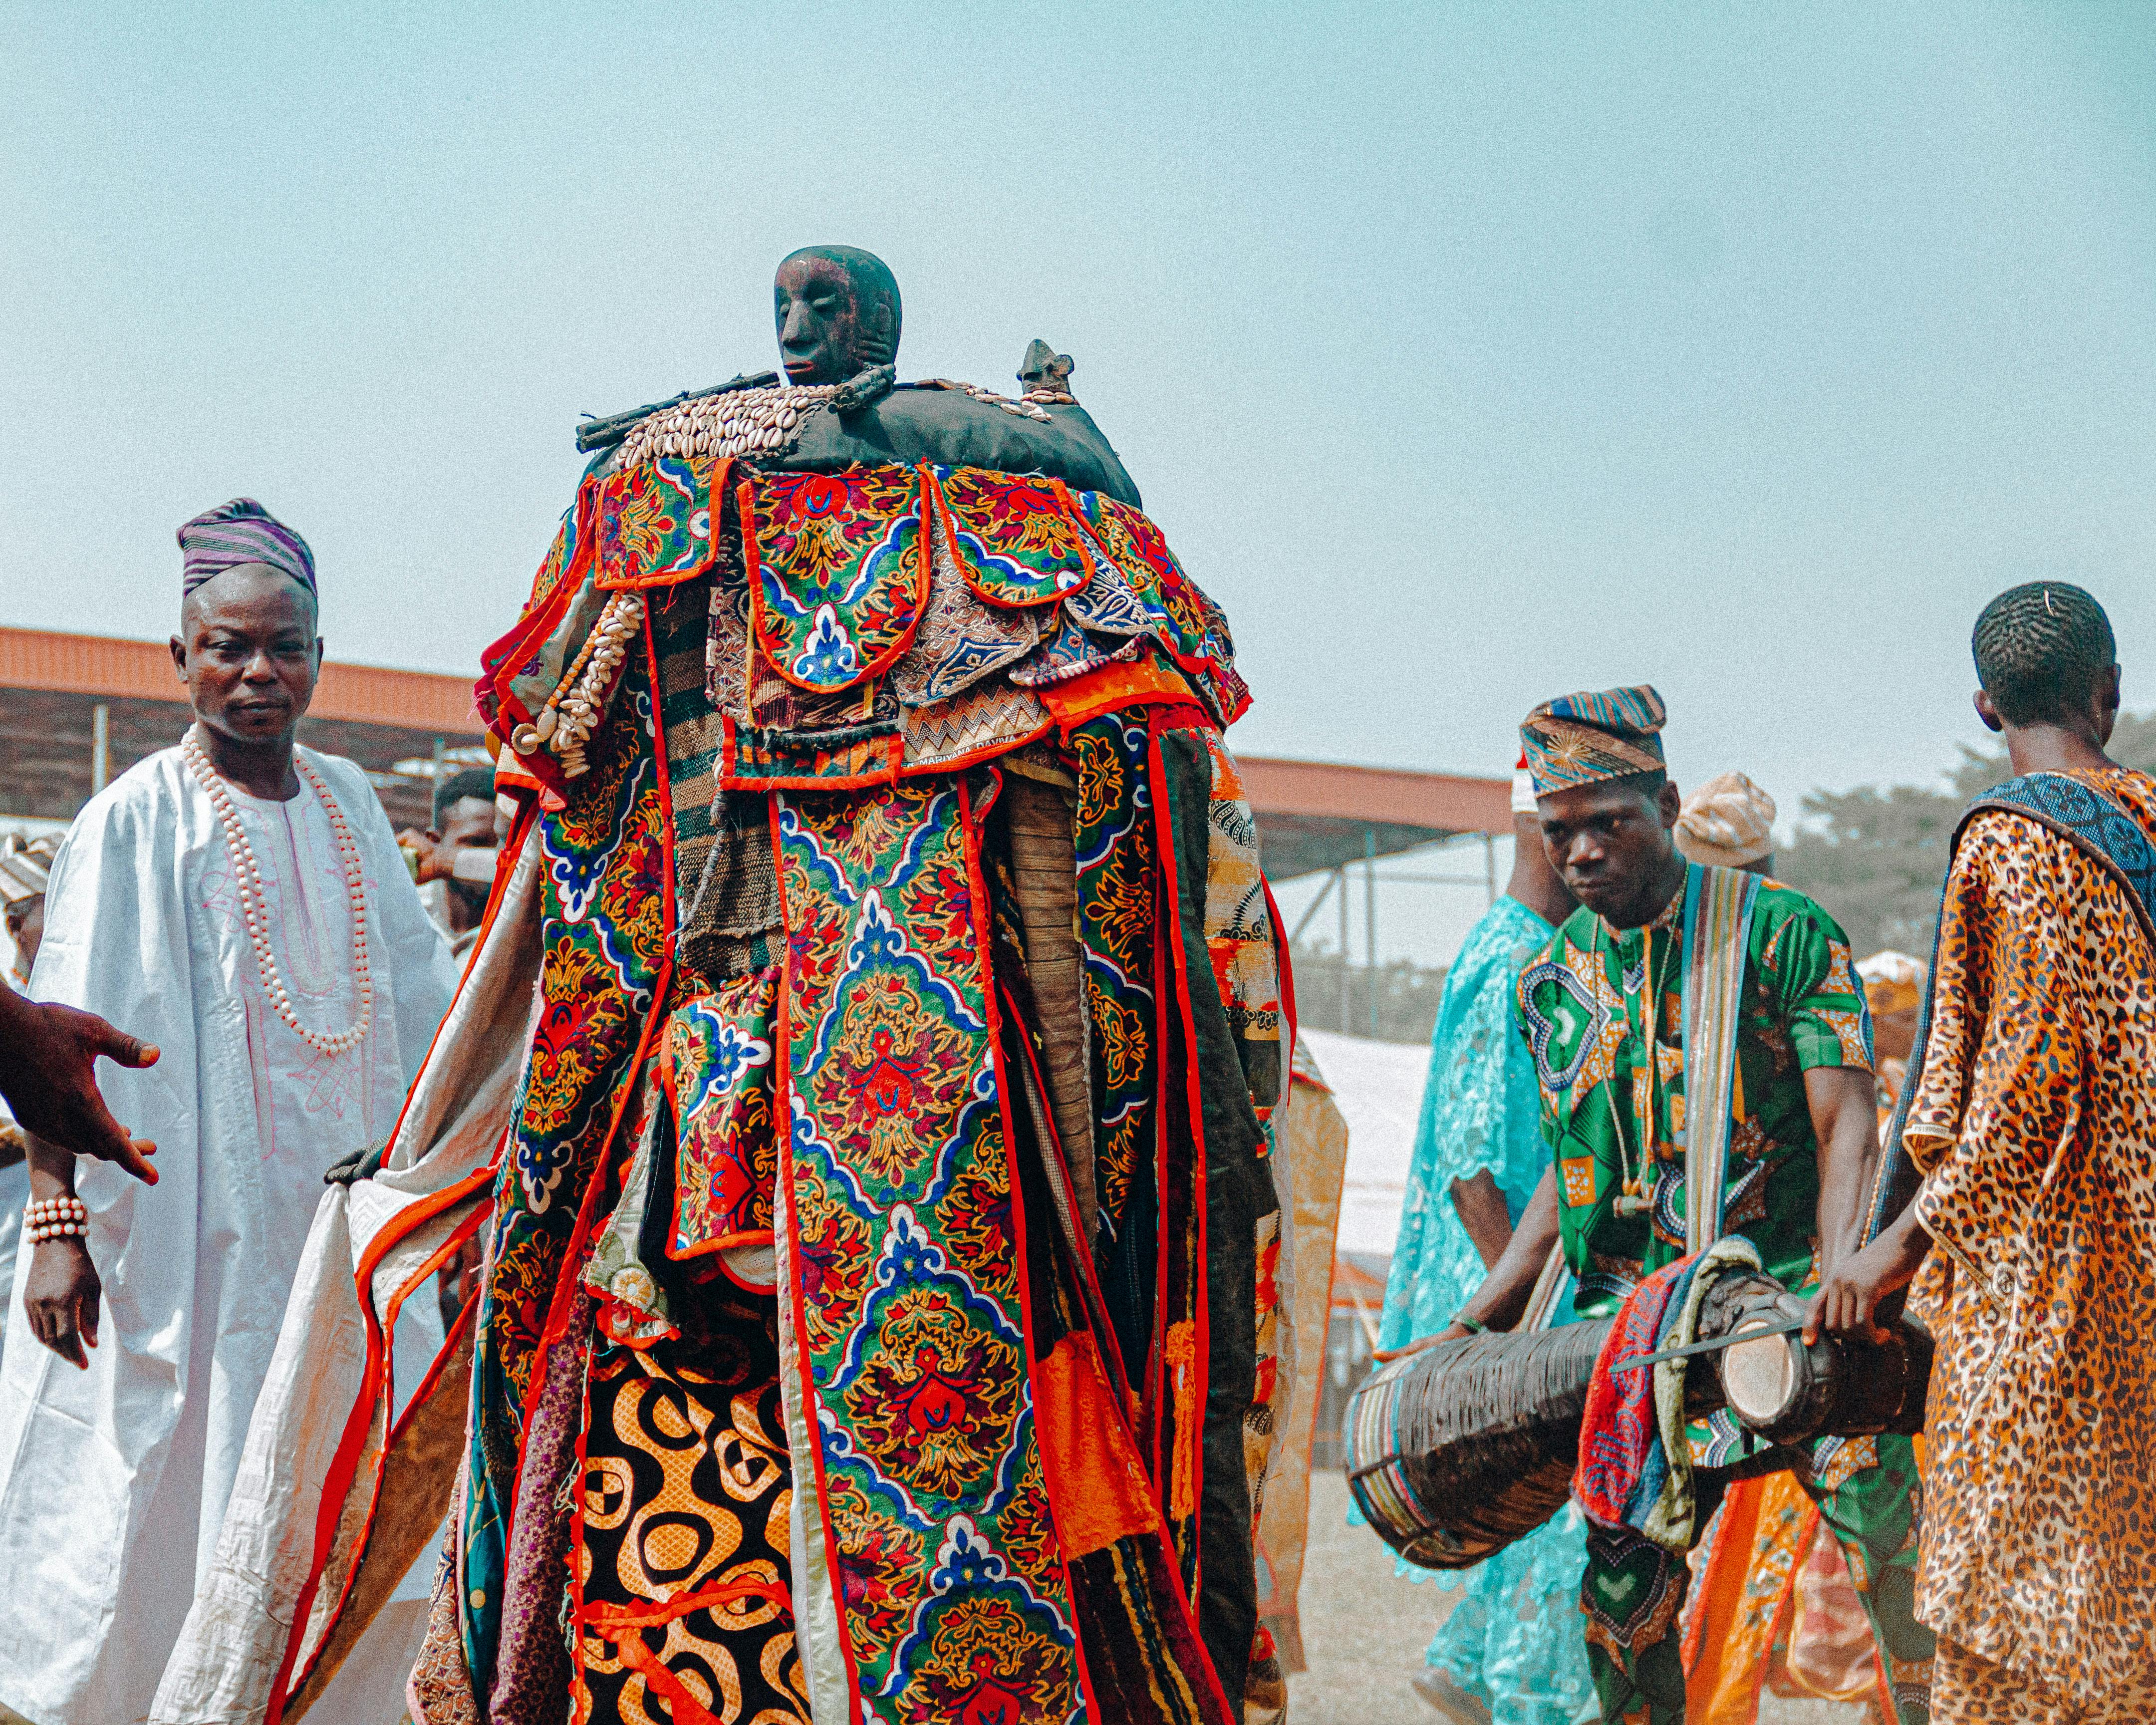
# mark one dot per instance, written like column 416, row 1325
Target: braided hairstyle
column 2040, row 648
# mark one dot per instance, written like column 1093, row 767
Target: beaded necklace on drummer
column 1632, row 1198
column 248, row 873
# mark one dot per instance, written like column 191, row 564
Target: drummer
column 1796, row 1152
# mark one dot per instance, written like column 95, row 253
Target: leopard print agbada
column 2035, row 1123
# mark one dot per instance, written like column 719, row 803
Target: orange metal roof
column 103, row 664
column 1446, row 802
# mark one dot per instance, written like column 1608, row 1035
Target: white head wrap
column 1728, row 820
column 1523, row 788
column 24, row 864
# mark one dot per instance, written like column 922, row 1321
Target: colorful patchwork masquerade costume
column 1671, row 1061
column 878, row 1315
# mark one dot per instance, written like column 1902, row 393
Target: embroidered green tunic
column 1579, row 1005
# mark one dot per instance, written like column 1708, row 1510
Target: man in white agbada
column 242, row 904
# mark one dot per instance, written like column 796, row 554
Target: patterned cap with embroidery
column 1585, row 738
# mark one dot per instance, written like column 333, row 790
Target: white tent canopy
column 1377, row 1088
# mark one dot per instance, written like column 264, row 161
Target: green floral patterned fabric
column 1580, row 1006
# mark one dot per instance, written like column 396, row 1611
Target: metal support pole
column 1313, row 908
column 1347, row 1029
column 1370, row 921
column 1490, row 865
column 100, row 747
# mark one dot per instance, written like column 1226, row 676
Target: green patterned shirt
column 1579, row 1004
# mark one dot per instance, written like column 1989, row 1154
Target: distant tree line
column 1877, row 858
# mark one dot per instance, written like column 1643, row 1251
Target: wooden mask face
column 837, row 310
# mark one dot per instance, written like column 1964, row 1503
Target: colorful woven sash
column 1717, row 928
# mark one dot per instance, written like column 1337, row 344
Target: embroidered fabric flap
column 838, row 570
column 1015, row 539
column 715, row 1069
column 654, row 524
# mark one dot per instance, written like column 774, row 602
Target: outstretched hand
column 1450, row 1332
column 49, row 1057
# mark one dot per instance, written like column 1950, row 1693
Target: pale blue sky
column 1466, row 353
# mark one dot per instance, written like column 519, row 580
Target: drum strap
column 2111, row 837
column 1717, row 930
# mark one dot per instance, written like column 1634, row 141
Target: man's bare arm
column 61, row 1293
column 1845, row 1110
column 1857, row 1283
column 1483, row 1214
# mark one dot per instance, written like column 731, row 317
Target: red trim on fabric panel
column 753, row 572
column 731, row 778
column 715, row 492
column 565, row 1284
column 1158, row 1394
column 344, row 1463
column 407, row 1222
column 949, row 517
column 1080, row 533
column 1089, row 1287
column 980, row 756
column 558, row 1313
column 991, row 999
column 413, row 1282
column 1163, row 719
column 782, row 1116
column 457, row 1325
column 499, row 706
column 513, row 845
column 667, row 905
column 1114, row 688
column 720, row 1242
column 1284, row 964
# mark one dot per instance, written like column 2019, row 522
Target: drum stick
column 1542, row 1299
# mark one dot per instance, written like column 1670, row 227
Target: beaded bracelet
column 1473, row 1326
column 55, row 1219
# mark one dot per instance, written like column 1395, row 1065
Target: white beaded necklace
column 248, row 874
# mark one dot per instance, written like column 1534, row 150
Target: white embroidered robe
column 113, row 1482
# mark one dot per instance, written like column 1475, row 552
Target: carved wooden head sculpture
column 838, row 314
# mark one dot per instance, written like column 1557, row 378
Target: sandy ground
column 1364, row 1630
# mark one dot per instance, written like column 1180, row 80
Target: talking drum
column 1455, row 1452
column 1846, row 1386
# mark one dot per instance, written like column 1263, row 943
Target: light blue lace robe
column 1515, row 1640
